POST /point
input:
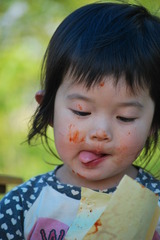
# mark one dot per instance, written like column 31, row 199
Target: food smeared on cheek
column 74, row 135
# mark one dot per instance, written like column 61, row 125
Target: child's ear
column 39, row 96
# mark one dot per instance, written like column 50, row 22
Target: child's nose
column 100, row 135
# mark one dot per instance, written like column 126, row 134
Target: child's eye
column 80, row 113
column 125, row 119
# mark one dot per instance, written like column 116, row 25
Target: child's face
column 99, row 132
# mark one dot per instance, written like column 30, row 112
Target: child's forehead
column 70, row 82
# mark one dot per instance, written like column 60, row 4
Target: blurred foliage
column 25, row 30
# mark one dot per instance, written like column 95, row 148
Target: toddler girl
column 100, row 92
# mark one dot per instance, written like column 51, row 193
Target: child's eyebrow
column 131, row 104
column 120, row 104
column 79, row 96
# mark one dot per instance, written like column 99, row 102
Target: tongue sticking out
column 86, row 157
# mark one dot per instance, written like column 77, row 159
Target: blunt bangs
column 107, row 39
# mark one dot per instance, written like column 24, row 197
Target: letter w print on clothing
column 52, row 235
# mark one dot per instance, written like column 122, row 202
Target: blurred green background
column 25, row 30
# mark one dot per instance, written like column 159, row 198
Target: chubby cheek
column 67, row 139
column 129, row 148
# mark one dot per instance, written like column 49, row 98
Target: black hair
column 99, row 40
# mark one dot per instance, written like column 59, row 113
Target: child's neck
column 66, row 176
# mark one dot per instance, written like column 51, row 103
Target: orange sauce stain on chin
column 79, row 175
